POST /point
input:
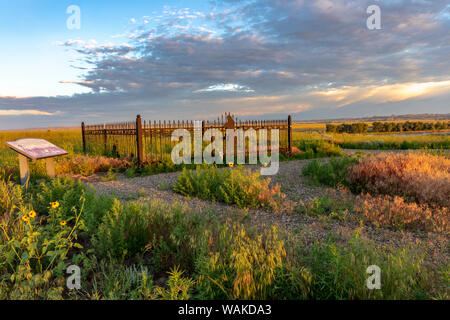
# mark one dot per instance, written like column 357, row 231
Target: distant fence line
column 148, row 141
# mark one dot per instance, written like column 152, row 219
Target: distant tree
column 332, row 128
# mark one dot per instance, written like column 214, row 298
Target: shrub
column 233, row 186
column 424, row 178
column 123, row 231
column 65, row 191
column 162, row 231
column 331, row 173
column 398, row 214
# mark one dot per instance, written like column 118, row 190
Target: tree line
column 361, row 127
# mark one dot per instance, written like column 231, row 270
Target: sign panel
column 36, row 149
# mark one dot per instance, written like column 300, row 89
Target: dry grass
column 423, row 178
column 87, row 165
column 385, row 211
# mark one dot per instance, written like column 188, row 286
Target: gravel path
column 289, row 176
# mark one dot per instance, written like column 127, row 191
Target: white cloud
column 231, row 87
column 12, row 112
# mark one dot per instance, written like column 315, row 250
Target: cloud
column 230, row 87
column 12, row 112
column 383, row 93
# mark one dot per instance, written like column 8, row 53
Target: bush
column 123, row 231
column 67, row 193
column 163, row 232
column 424, row 178
column 331, row 173
column 239, row 186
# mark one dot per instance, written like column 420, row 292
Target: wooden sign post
column 35, row 149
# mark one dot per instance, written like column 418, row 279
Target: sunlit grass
column 379, row 141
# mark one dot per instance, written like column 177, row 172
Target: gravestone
column 35, row 149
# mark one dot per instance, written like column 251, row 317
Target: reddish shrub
column 423, row 178
column 398, row 214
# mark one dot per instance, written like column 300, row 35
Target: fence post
column 105, row 139
column 139, row 142
column 83, row 137
column 289, row 134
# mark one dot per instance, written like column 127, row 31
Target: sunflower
column 231, row 164
column 63, row 223
column 54, row 204
column 25, row 218
column 32, row 214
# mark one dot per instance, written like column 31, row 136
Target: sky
column 258, row 59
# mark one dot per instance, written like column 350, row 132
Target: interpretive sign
column 35, row 149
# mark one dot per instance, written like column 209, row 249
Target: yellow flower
column 28, row 276
column 54, row 204
column 231, row 164
column 265, row 164
column 25, row 218
column 32, row 214
column 63, row 223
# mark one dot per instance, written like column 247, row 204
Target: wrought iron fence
column 147, row 141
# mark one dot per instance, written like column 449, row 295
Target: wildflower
column 63, row 223
column 32, row 214
column 28, row 276
column 54, row 204
column 25, row 218
column 231, row 164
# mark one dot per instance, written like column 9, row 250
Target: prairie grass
column 340, row 271
column 396, row 213
column 377, row 141
column 423, row 178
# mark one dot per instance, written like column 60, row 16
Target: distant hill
column 403, row 117
column 45, row 129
